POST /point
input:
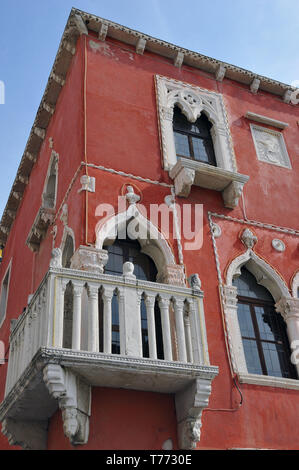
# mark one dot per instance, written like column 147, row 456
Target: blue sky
column 259, row 35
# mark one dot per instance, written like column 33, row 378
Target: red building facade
column 182, row 346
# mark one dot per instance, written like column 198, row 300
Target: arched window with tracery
column 263, row 330
column 193, row 140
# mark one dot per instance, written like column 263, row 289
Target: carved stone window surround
column 193, row 101
column 285, row 305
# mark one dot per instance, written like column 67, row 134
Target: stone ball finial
column 128, row 270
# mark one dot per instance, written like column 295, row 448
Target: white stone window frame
column 285, row 305
column 284, row 156
column 295, row 285
column 193, row 101
column 54, row 159
column 7, row 272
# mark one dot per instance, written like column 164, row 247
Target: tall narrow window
column 49, row 194
column 263, row 330
column 193, row 140
column 4, row 295
column 67, row 252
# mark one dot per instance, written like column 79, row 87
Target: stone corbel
column 90, row 259
column 80, row 24
column 183, row 182
column 74, row 399
column 190, row 404
column 140, row 46
column 231, row 194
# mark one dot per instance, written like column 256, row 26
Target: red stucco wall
column 122, row 134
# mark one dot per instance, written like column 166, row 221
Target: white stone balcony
column 61, row 346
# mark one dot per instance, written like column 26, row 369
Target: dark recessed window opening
column 193, row 140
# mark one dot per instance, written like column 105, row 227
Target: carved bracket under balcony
column 74, row 398
column 189, row 406
column 186, row 173
column 44, row 218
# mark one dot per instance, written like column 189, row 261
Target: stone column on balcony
column 289, row 309
column 130, row 324
column 150, row 314
column 180, row 330
column 76, row 334
column 107, row 296
column 166, row 333
column 93, row 318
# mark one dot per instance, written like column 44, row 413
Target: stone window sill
column 186, row 173
column 268, row 381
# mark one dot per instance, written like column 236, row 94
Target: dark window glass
column 263, row 330
column 193, row 140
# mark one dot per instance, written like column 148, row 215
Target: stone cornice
column 107, row 29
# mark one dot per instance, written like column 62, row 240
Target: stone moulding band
column 128, row 175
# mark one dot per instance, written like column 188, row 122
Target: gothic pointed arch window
column 193, row 140
column 263, row 330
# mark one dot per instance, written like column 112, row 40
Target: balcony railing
column 75, row 309
column 82, row 329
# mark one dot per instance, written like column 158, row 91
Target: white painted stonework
column 43, row 374
column 270, row 146
column 285, row 305
column 193, row 101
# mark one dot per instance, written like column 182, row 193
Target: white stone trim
column 266, row 120
column 54, row 159
column 192, row 101
column 154, row 245
column 268, row 381
column 7, row 271
column 295, row 285
column 276, row 152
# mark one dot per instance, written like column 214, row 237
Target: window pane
column 252, row 357
column 199, row 150
column 275, row 360
column 181, row 144
column 245, row 321
column 265, row 323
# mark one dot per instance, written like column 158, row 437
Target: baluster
column 164, row 307
column 122, row 322
column 188, row 338
column 151, row 327
column 107, row 320
column 180, row 330
column 58, row 316
column 77, row 315
column 93, row 319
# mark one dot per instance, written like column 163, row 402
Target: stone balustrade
column 74, row 310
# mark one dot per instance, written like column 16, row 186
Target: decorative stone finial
column 131, row 197
column 248, row 238
column 194, row 281
column 56, row 258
